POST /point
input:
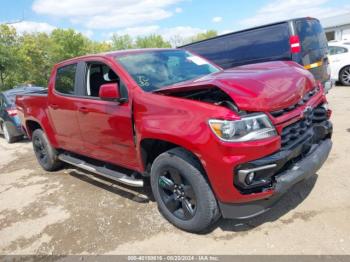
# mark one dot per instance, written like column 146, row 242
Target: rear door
column 62, row 106
column 314, row 47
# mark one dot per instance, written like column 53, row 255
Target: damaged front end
column 206, row 94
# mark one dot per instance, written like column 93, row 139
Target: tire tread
column 186, row 159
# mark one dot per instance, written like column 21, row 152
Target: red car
column 213, row 142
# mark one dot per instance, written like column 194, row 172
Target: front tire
column 344, row 76
column 183, row 195
column 46, row 155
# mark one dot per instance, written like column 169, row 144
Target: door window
column 99, row 74
column 65, row 79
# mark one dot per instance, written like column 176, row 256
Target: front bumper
column 296, row 172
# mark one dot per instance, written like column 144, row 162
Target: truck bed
column 31, row 105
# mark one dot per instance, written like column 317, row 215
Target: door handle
column 84, row 110
column 54, row 106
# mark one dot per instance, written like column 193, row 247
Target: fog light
column 249, row 178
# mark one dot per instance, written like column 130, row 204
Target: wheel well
column 152, row 148
column 31, row 126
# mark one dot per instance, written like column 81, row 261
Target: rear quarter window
column 65, row 79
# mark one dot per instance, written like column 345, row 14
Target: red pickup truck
column 213, row 142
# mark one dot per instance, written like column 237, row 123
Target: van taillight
column 295, row 46
column 12, row 111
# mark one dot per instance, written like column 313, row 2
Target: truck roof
column 118, row 53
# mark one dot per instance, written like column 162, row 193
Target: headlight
column 253, row 127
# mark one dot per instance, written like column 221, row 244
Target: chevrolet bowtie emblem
column 307, row 112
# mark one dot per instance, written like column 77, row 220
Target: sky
column 100, row 19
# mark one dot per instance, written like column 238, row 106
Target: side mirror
column 109, row 92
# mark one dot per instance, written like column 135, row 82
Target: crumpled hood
column 266, row 86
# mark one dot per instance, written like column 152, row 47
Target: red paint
column 109, row 92
column 295, row 45
column 104, row 130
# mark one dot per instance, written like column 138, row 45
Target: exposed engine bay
column 212, row 95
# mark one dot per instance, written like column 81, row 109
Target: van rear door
column 314, row 47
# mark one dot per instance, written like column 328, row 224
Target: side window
column 331, row 50
column 99, row 74
column 344, row 50
column 65, row 79
column 336, row 50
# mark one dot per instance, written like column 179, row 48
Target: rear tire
column 7, row 134
column 46, row 155
column 183, row 194
column 344, row 76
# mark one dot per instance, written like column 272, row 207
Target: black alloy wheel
column 40, row 150
column 182, row 192
column 46, row 155
column 177, row 193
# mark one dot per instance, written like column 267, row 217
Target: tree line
column 28, row 58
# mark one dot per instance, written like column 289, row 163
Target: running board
column 105, row 172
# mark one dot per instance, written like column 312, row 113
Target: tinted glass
column 256, row 45
column 335, row 50
column 99, row 74
column 11, row 99
column 311, row 35
column 154, row 70
column 65, row 79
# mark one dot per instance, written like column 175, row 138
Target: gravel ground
column 68, row 213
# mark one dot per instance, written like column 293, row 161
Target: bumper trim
column 301, row 170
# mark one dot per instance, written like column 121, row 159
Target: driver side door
column 106, row 126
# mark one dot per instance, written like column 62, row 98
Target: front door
column 106, row 126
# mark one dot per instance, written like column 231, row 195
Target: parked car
column 213, row 142
column 301, row 40
column 10, row 125
column 339, row 56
